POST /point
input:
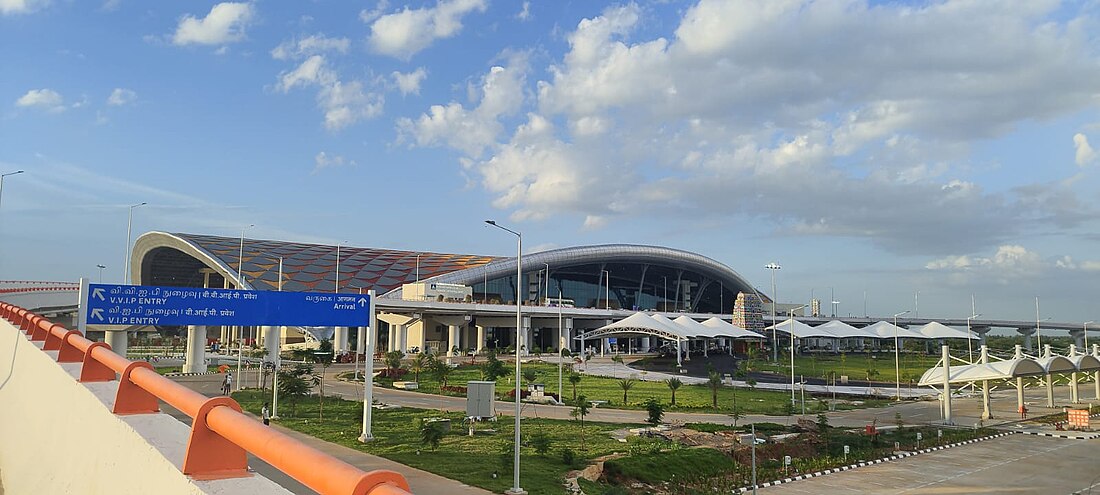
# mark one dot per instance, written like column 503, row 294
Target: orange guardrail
column 221, row 433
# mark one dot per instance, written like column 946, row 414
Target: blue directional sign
column 110, row 304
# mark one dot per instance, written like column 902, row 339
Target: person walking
column 227, row 384
column 265, row 413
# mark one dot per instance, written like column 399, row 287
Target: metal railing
column 221, row 433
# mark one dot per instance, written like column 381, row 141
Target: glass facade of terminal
column 634, row 286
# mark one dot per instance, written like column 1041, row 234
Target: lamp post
column 791, row 331
column 775, row 342
column 418, row 268
column 17, row 172
column 897, row 355
column 240, row 329
column 516, row 490
column 126, row 254
column 969, row 345
column 336, row 284
column 546, row 289
column 101, row 267
column 916, row 304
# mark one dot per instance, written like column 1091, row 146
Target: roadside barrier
column 220, row 433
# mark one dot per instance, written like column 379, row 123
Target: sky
column 906, row 154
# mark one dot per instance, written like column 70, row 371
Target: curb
column 1055, row 435
column 196, row 373
column 849, row 467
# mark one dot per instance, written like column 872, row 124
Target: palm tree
column 714, row 383
column 420, row 363
column 626, row 384
column 673, row 384
column 574, row 379
column 871, row 374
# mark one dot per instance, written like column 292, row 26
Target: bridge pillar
column 117, row 339
column 195, row 359
column 1027, row 333
column 271, row 343
column 981, row 332
column 452, row 342
column 480, row 344
column 340, row 340
column 402, row 340
column 1078, row 338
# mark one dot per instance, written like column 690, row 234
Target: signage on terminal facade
column 113, row 304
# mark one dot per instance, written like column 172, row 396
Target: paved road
column 1012, row 464
column 421, row 482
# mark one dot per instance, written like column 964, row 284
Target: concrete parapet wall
column 59, row 436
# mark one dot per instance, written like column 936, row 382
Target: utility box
column 481, row 399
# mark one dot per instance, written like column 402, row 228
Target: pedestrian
column 265, row 413
column 227, row 385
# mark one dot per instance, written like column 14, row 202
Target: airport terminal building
column 446, row 301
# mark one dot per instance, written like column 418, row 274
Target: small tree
column 656, row 411
column 900, row 422
column 872, row 372
column 441, row 371
column 714, row 383
column 492, row 368
column 392, row 361
column 431, row 433
column 823, row 429
column 322, row 356
column 736, row 414
column 294, row 384
column 529, row 375
column 420, row 363
column 574, row 379
column 580, row 410
column 541, row 442
column 673, row 384
column 626, row 384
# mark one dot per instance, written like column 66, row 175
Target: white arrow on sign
column 98, row 293
column 362, row 301
column 97, row 313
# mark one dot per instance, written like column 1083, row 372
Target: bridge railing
column 221, row 433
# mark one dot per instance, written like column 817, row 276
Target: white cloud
column 403, row 34
column 525, row 13
column 1008, row 262
column 225, row 23
column 311, row 45
column 324, row 160
column 343, row 103
column 409, row 83
column 870, row 109
column 1085, row 155
column 8, row 7
column 44, row 99
column 121, row 96
column 368, row 16
column 472, row 130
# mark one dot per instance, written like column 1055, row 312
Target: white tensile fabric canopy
column 698, row 330
column 799, row 329
column 885, row 330
column 937, row 330
column 729, row 329
column 995, row 370
column 643, row 324
column 843, row 330
column 672, row 326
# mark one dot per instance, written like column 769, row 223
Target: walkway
column 1012, row 464
column 421, row 482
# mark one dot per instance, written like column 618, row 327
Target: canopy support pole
column 1050, row 382
column 1073, row 390
column 1096, row 378
column 946, row 385
column 1019, row 381
column 986, row 413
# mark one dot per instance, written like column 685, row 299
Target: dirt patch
column 592, row 472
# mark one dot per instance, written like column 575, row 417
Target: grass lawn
column 472, row 460
column 855, row 366
column 692, row 398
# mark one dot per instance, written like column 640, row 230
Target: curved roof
column 1085, row 362
column 306, row 267
column 1056, row 364
column 841, row 329
column 606, row 253
column 887, row 330
column 696, row 329
column 994, row 370
column 729, row 329
column 799, row 329
column 937, row 330
column 641, row 324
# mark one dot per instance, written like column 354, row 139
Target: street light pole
column 126, row 254
column 546, row 289
column 418, row 268
column 897, row 355
column 791, row 332
column 516, row 490
column 969, row 336
column 775, row 341
column 17, row 172
column 240, row 329
column 916, row 304
column 101, row 267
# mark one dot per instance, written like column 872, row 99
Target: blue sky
column 940, row 147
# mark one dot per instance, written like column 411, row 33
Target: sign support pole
column 368, row 371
